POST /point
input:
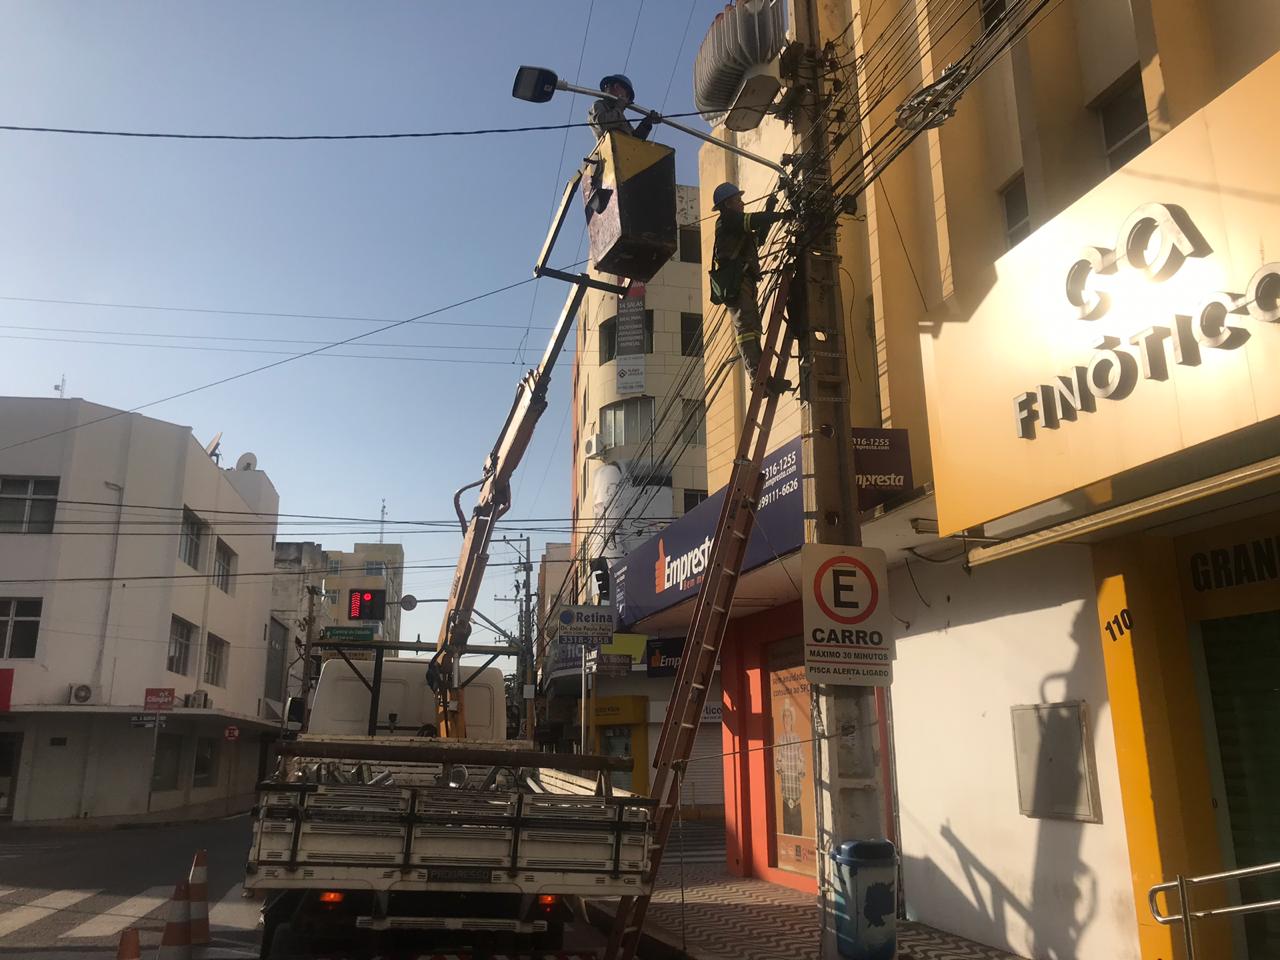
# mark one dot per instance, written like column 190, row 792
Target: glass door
column 10, row 752
column 1242, row 661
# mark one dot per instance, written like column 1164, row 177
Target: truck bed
column 528, row 837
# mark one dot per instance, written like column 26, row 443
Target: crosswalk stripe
column 235, row 911
column 39, row 909
column 110, row 922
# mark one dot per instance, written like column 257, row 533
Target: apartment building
column 135, row 584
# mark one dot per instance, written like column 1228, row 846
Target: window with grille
column 204, row 773
column 375, row 568
column 691, row 335
column 1123, row 115
column 693, row 422
column 224, row 564
column 690, row 245
column 216, row 653
column 692, row 498
column 335, row 566
column 190, row 539
column 1017, row 218
column 179, row 658
column 19, row 627
column 28, row 504
column 626, row 421
column 331, row 596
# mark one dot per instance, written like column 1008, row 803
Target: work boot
column 779, row 385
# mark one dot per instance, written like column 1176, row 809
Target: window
column 375, row 568
column 693, row 422
column 626, row 421
column 189, row 539
column 1125, row 133
column 1053, row 754
column 331, row 597
column 216, row 652
column 19, row 628
column 27, row 504
column 690, row 245
column 609, row 337
column 993, row 12
column 224, row 564
column 205, row 771
column 164, row 773
column 335, row 566
column 690, row 334
column 180, row 633
column 692, row 498
column 1017, row 219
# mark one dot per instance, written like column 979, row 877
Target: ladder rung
column 687, row 725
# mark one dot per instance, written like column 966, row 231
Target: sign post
column 848, row 629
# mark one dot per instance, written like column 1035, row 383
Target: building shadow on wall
column 1065, row 897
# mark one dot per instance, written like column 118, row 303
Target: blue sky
column 382, row 229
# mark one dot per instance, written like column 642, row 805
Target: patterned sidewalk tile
column 721, row 917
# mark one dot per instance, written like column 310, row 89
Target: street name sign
column 848, row 629
column 363, row 634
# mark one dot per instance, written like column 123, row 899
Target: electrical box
column 629, row 191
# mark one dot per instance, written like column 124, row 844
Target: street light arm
column 723, row 144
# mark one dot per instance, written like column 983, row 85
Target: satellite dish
column 247, row 461
column 214, row 448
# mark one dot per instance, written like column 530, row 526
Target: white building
column 132, row 567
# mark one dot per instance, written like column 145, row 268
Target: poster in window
column 795, row 819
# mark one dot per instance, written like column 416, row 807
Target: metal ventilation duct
column 744, row 38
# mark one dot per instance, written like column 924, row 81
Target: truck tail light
column 332, row 897
column 548, row 901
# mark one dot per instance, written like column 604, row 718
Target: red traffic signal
column 367, row 605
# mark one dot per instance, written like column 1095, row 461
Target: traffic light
column 367, row 605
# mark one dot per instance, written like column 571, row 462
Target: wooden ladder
column 711, row 614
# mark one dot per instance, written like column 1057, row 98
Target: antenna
column 60, row 388
column 382, row 522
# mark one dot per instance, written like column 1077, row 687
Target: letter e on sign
column 848, row 629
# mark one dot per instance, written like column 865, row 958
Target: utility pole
column 829, row 480
column 525, row 629
column 310, row 625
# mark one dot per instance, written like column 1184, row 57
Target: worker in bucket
column 609, row 113
column 735, row 271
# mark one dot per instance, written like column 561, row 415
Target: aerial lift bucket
column 629, row 191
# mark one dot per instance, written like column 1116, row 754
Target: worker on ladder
column 609, row 113
column 735, row 271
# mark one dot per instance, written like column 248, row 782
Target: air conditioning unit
column 198, row 700
column 82, row 694
column 593, row 446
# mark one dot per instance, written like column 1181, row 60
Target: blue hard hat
column 618, row 78
column 723, row 193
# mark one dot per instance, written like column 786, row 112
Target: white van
column 407, row 705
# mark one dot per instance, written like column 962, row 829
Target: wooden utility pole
column 309, row 624
column 830, row 482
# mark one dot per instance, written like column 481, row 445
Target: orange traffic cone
column 199, row 889
column 130, row 946
column 176, row 942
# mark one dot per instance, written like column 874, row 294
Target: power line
column 295, row 138
column 267, row 366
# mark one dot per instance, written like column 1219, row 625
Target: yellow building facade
column 1069, row 295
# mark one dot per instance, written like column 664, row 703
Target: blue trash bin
column 866, row 899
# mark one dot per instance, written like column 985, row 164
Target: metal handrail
column 1184, row 884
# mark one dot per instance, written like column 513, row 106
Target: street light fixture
column 538, row 85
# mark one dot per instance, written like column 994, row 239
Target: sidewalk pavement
column 723, row 917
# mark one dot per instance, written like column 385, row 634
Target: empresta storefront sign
column 669, row 568
column 1152, row 245
column 882, row 463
